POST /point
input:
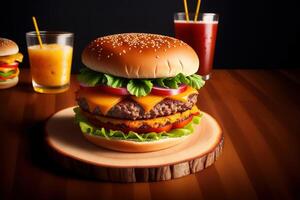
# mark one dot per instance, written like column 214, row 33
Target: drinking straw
column 197, row 10
column 37, row 31
column 186, row 10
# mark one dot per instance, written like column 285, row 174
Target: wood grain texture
column 258, row 111
column 71, row 151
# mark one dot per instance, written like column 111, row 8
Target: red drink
column 201, row 35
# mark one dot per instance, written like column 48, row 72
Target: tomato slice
column 6, row 78
column 182, row 123
column 157, row 130
column 111, row 90
column 106, row 89
column 196, row 113
column 161, row 91
column 11, row 65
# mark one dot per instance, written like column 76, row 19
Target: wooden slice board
column 69, row 147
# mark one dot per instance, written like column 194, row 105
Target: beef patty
column 129, row 109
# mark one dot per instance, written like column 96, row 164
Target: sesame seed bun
column 9, row 83
column 8, row 47
column 140, row 55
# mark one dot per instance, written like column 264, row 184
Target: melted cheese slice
column 12, row 58
column 98, row 99
column 184, row 96
column 6, row 69
column 106, row 101
column 149, row 101
column 15, row 73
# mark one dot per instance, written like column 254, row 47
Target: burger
column 9, row 61
column 138, row 92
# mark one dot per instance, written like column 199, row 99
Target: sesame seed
column 127, row 41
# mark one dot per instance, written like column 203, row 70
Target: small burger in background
column 9, row 62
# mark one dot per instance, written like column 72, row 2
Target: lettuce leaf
column 171, row 82
column 183, row 79
column 89, row 77
column 195, row 81
column 138, row 87
column 114, row 81
column 7, row 74
column 88, row 128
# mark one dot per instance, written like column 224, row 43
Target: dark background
column 252, row 33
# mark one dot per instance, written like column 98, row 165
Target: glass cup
column 50, row 65
column 200, row 35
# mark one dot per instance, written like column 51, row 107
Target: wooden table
column 258, row 110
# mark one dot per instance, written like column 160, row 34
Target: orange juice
column 50, row 67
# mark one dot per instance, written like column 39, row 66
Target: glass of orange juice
column 50, row 63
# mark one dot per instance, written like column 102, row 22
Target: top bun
column 8, row 47
column 140, row 55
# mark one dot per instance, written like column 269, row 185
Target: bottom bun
column 136, row 147
column 9, row 83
